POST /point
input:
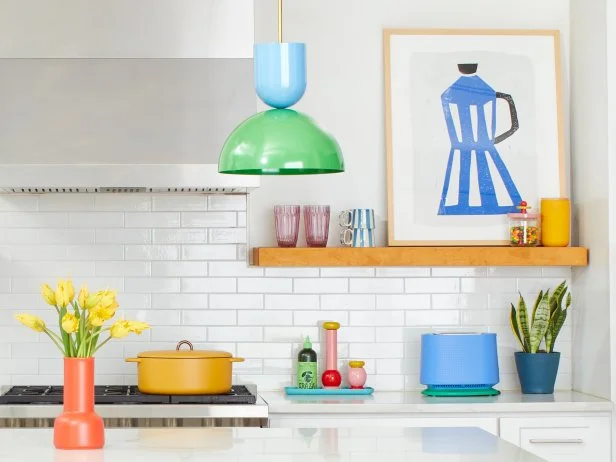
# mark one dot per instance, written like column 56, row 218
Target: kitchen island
column 270, row 445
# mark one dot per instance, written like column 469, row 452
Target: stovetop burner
column 122, row 394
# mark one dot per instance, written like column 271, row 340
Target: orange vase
column 79, row 427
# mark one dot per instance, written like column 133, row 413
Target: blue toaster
column 454, row 364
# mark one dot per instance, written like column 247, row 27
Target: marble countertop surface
column 270, row 445
column 414, row 402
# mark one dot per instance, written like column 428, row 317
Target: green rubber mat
column 460, row 392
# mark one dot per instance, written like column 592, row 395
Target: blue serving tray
column 329, row 391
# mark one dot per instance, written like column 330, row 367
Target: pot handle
column 236, row 360
column 132, row 360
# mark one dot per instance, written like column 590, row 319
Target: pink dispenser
column 331, row 378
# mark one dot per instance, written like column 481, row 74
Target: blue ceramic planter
column 280, row 73
column 537, row 372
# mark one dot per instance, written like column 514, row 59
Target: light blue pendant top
column 280, row 73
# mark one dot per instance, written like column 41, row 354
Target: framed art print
column 473, row 127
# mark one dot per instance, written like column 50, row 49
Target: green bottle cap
column 307, row 344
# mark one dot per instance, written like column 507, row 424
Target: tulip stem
column 101, row 345
column 55, row 342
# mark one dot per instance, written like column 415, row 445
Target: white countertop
column 414, row 402
column 270, row 445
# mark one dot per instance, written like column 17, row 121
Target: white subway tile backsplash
column 173, row 203
column 123, row 268
column 233, row 268
column 227, row 235
column 348, row 302
column 264, row 285
column 123, row 236
column 291, row 302
column 209, row 285
column 377, row 318
column 347, row 272
column 34, row 219
column 96, row 220
column 180, row 236
column 208, row 219
column 209, row 252
column 209, row 318
column 180, row 301
column 292, row 272
column 264, row 318
column 123, row 202
column 403, row 302
column 179, row 263
column 236, row 301
column 152, row 220
column 152, row 252
column 432, row 286
column 151, row 285
column 320, row 285
column 179, row 268
column 227, row 202
column 235, row 334
column 95, row 252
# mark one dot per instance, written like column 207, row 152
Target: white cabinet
column 560, row 439
column 368, row 420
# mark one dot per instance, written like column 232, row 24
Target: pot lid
column 184, row 354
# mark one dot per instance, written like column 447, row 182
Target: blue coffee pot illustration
column 469, row 106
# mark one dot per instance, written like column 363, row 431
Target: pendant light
column 280, row 141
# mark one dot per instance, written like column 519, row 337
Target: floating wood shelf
column 421, row 256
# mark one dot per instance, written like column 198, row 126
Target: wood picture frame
column 434, row 145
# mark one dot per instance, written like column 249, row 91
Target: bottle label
column 306, row 375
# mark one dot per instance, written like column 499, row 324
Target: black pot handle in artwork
column 515, row 124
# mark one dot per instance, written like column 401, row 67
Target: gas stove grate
column 122, row 394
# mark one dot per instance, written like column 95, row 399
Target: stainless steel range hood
column 122, row 96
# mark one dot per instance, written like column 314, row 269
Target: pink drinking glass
column 316, row 221
column 286, row 219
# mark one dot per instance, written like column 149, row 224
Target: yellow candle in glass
column 555, row 222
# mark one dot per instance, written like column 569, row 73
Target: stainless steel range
column 124, row 406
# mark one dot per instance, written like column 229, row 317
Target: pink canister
column 357, row 374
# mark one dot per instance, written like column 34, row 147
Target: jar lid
column 184, row 354
column 356, row 363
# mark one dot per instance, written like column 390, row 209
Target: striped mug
column 357, row 218
column 357, row 237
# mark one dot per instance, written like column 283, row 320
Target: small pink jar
column 357, row 374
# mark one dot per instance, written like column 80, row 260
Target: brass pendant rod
column 279, row 21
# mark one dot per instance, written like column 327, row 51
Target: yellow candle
column 555, row 222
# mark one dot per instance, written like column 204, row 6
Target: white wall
column 345, row 91
column 591, row 195
column 178, row 262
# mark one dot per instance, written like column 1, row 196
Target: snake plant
column 546, row 320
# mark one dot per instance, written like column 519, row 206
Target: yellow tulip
column 65, row 293
column 120, row 329
column 48, row 294
column 138, row 327
column 70, row 323
column 31, row 321
column 92, row 300
column 83, row 296
column 99, row 314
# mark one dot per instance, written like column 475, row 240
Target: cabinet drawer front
column 561, row 439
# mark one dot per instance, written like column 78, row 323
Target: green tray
column 329, row 391
column 460, row 392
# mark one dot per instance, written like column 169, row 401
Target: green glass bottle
column 307, row 366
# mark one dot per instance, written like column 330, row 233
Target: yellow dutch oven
column 184, row 372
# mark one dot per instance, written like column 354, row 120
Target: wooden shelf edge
column 420, row 256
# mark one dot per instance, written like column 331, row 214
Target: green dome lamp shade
column 280, row 141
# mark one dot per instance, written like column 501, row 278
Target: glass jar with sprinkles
column 523, row 227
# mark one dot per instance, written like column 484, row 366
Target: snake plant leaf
column 556, row 299
column 539, row 297
column 568, row 302
column 523, row 323
column 541, row 324
column 557, row 324
column 549, row 335
column 513, row 320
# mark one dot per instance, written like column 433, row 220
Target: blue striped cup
column 357, row 237
column 357, row 218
